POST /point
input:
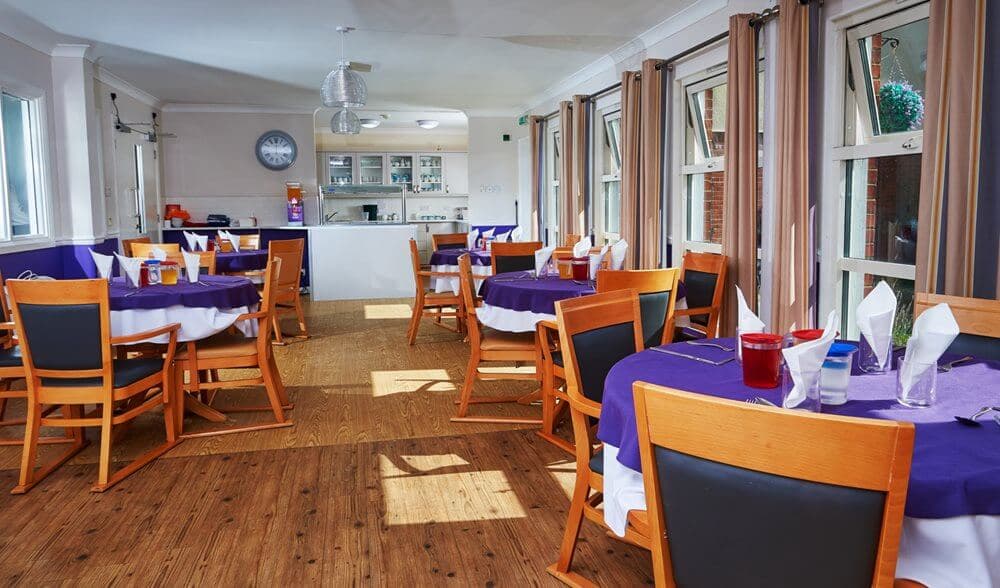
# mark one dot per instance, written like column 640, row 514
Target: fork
column 761, row 401
column 946, row 367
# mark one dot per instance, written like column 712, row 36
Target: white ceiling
column 429, row 54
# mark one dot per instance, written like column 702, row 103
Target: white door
column 524, row 184
column 137, row 180
column 456, row 173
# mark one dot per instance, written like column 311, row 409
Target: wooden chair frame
column 127, row 245
column 207, row 262
column 571, row 239
column 712, row 263
column 251, row 242
column 134, row 398
column 579, row 315
column 439, row 239
column 144, row 249
column 645, row 282
column 975, row 316
column 857, row 453
column 436, row 305
column 479, row 355
column 261, row 358
column 288, row 292
column 519, row 249
column 553, row 397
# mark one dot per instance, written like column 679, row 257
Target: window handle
column 909, row 144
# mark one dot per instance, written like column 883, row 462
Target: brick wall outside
column 871, row 201
column 714, row 185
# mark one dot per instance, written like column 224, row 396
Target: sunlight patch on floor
column 389, row 382
column 524, row 369
column 387, row 311
column 565, row 475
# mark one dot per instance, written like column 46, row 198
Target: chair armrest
column 8, row 326
column 260, row 314
column 171, row 328
column 693, row 311
column 550, row 325
column 439, row 274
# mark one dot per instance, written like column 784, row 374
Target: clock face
column 276, row 150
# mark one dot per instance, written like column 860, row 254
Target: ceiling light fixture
column 427, row 124
column 370, row 123
column 345, row 122
column 343, row 86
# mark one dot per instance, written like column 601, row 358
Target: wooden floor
column 373, row 485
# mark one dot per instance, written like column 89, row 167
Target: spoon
column 971, row 420
column 946, row 367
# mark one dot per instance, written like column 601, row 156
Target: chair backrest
column 268, row 303
column 64, row 329
column 290, row 252
column 470, row 299
column 127, row 245
column 791, row 498
column 704, row 277
column 250, row 241
column 595, row 332
column 143, row 250
column 418, row 280
column 514, row 257
column 571, row 239
column 657, row 289
column 978, row 321
column 6, row 337
column 449, row 240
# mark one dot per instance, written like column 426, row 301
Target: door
column 456, row 173
column 137, row 181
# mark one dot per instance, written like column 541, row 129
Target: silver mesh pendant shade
column 345, row 122
column 345, row 88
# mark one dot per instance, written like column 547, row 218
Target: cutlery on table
column 694, row 357
column 946, row 367
column 761, row 401
column 971, row 421
column 716, row 345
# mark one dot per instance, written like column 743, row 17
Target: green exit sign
column 522, row 120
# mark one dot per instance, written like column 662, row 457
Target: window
column 702, row 169
column 20, row 167
column 552, row 199
column 609, row 177
column 880, row 161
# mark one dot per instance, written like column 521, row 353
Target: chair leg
column 470, row 379
column 301, row 316
column 418, row 312
column 29, row 454
column 282, row 393
column 104, row 467
column 278, row 338
column 574, row 520
column 273, row 396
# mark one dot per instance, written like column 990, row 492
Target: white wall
column 420, row 141
column 493, row 177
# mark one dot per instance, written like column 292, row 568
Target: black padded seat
column 597, row 462
column 127, row 371
column 11, row 357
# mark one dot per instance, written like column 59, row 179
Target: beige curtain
column 536, row 131
column 651, row 163
column 580, row 161
column 567, row 188
column 957, row 244
column 739, row 219
column 793, row 234
column 631, row 89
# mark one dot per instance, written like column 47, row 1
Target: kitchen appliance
column 217, row 220
column 369, row 211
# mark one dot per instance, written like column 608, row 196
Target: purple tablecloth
column 518, row 291
column 240, row 261
column 955, row 471
column 210, row 292
column 450, row 256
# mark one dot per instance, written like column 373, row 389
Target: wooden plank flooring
column 373, row 486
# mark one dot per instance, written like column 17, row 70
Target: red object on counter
column 761, row 359
column 581, row 268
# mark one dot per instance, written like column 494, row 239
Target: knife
column 694, row 357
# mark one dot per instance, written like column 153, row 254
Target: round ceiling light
column 370, row 123
column 345, row 122
column 427, row 124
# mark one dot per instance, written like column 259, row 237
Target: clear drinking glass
column 868, row 361
column 811, row 401
column 923, row 383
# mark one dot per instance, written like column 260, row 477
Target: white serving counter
column 350, row 262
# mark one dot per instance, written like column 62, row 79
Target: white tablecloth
column 956, row 552
column 196, row 322
column 441, row 285
column 524, row 321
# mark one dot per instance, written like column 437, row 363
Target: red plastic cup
column 581, row 268
column 803, row 335
column 761, row 359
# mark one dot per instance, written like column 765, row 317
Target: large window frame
column 39, row 172
column 553, row 192
column 606, row 142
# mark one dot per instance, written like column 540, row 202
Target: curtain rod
column 769, row 14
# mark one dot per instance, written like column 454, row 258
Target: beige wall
column 493, row 180
column 422, row 141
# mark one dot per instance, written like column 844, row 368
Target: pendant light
column 343, row 86
column 345, row 122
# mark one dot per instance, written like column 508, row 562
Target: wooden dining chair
column 978, row 322
column 742, row 494
column 64, row 330
column 657, row 289
column 449, row 240
column 127, row 245
column 250, row 242
column 491, row 346
column 144, row 250
column 571, row 239
column 234, row 351
column 704, row 277
column 288, row 292
column 595, row 332
column 207, row 263
column 514, row 257
column 430, row 304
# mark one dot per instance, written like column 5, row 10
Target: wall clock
column 276, row 150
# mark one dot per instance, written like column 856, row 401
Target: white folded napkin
column 234, row 239
column 130, row 268
column 516, row 234
column 202, row 241
column 595, row 261
column 192, row 240
column 489, row 233
column 470, row 239
column 805, row 361
column 192, row 263
column 582, row 247
column 503, row 237
column 158, row 253
column 103, row 263
column 933, row 332
column 747, row 321
column 618, row 251
column 876, row 314
column 542, row 257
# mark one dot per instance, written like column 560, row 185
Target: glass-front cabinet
column 341, row 168
column 401, row 171
column 431, row 174
column 371, row 168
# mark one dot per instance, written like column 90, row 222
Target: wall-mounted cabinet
column 431, row 174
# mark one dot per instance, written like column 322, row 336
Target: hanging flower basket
column 901, row 108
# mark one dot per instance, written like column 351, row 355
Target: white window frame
column 40, row 160
column 601, row 179
column 551, row 211
column 834, row 264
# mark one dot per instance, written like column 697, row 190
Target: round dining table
column 951, row 527
column 446, row 260
column 517, row 301
column 202, row 309
column 246, row 260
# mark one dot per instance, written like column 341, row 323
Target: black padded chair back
column 653, row 308
column 444, row 246
column 596, row 351
column 700, row 290
column 730, row 526
column 515, row 263
column 63, row 337
column 978, row 346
